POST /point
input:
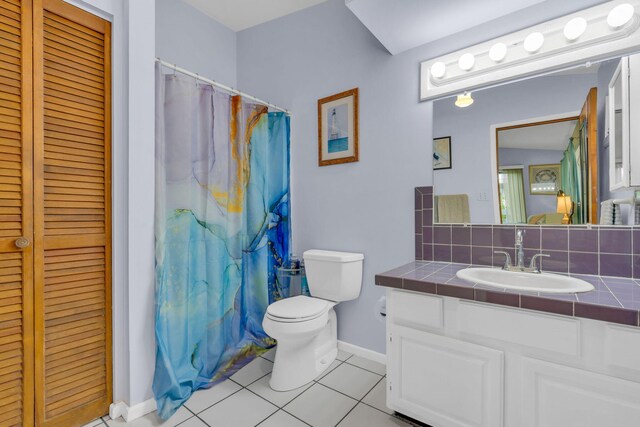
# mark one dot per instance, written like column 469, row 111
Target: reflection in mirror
column 538, row 160
column 530, row 152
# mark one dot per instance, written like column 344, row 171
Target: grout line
column 328, row 371
column 299, row 419
column 254, row 381
column 194, row 415
column 365, row 369
column 360, row 401
column 279, row 408
column 225, row 398
column 611, row 292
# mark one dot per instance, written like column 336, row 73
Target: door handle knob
column 22, row 242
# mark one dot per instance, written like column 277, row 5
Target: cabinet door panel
column 445, row 382
column 560, row 396
column 16, row 215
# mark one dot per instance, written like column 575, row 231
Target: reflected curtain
column 222, row 229
column 512, row 190
column 571, row 178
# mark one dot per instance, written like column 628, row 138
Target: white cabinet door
column 444, row 382
column 560, row 396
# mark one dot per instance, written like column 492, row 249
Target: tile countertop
column 614, row 299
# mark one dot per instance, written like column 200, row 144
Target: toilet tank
column 334, row 276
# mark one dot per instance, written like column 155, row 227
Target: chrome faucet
column 533, row 267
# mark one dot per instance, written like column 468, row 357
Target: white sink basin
column 520, row 281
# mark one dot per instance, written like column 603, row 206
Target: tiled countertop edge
column 624, row 316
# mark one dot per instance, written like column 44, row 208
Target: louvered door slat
column 72, row 183
column 16, row 215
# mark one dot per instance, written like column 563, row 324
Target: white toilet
column 305, row 327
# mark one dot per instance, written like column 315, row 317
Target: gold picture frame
column 544, row 180
column 338, row 128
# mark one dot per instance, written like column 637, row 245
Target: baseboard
column 362, row 352
column 130, row 413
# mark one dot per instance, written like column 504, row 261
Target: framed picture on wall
column 544, row 179
column 338, row 128
column 442, row 153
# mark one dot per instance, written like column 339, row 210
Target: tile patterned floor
column 350, row 393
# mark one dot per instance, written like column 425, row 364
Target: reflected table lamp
column 565, row 207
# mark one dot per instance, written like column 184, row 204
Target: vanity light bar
column 609, row 29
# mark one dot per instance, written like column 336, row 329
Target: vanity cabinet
column 623, row 130
column 446, row 381
column 453, row 362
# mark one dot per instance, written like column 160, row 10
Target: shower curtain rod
column 220, row 85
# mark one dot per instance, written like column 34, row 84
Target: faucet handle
column 507, row 261
column 534, row 258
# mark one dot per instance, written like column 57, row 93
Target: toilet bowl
column 306, row 327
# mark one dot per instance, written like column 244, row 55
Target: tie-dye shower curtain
column 222, row 229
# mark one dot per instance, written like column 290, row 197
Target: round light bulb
column 620, row 15
column 533, row 42
column 466, row 61
column 575, row 28
column 438, row 70
column 498, row 52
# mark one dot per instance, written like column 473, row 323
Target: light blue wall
column 470, row 132
column 192, row 40
column 295, row 60
column 367, row 206
column 535, row 203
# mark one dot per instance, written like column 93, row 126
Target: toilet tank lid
column 331, row 256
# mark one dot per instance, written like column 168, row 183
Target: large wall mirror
column 534, row 151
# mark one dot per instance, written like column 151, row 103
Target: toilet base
column 299, row 361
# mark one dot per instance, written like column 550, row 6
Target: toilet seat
column 298, row 309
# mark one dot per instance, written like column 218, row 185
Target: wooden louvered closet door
column 16, row 215
column 72, row 215
column 55, row 217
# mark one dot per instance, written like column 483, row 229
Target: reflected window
column 512, row 202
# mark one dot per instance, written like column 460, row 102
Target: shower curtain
column 222, row 229
column 571, row 172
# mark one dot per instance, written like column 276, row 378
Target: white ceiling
column 410, row 23
column 242, row 14
column 552, row 136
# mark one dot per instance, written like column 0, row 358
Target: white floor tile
column 378, row 397
column 269, row 355
column 202, row 399
column 255, row 369
column 369, row 365
column 243, row 409
column 363, row 415
column 282, row 419
column 193, row 422
column 153, row 420
column 278, row 398
column 351, row 380
column 343, row 355
column 331, row 367
column 96, row 422
column 320, row 406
